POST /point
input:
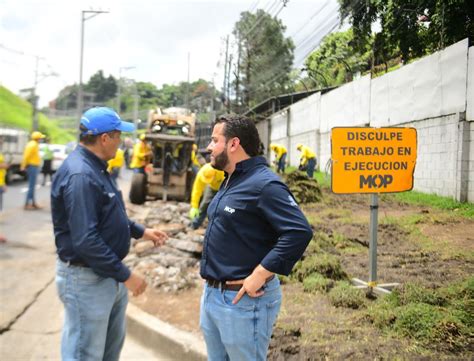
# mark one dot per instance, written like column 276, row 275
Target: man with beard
column 255, row 230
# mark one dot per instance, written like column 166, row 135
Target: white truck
column 12, row 145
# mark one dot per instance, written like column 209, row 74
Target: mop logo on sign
column 229, row 210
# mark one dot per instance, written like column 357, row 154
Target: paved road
column 30, row 312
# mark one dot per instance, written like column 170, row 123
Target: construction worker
column 115, row 164
column 47, row 168
column 307, row 160
column 3, row 186
column 141, row 155
column 208, row 180
column 280, row 155
column 197, row 160
column 31, row 162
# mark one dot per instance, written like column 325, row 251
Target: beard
column 221, row 160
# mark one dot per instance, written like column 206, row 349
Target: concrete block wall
column 433, row 95
column 470, row 170
column 465, row 162
column 435, row 170
column 325, row 151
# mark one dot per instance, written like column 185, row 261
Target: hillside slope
column 17, row 112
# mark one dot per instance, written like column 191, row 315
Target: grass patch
column 435, row 201
column 345, row 295
column 317, row 283
column 322, row 263
column 440, row 319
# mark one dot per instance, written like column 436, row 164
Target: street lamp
column 119, row 82
column 84, row 18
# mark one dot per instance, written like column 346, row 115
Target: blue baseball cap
column 100, row 120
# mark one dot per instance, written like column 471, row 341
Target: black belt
column 76, row 263
column 224, row 286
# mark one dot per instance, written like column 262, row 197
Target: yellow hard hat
column 208, row 174
column 37, row 135
column 272, row 146
column 142, row 136
column 195, row 147
column 299, row 146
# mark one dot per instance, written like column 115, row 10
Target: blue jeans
column 94, row 323
column 310, row 167
column 239, row 332
column 2, row 190
column 32, row 173
column 281, row 164
column 139, row 170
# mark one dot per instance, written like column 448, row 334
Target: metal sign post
column 373, row 160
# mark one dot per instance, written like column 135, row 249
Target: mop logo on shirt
column 292, row 201
column 229, row 210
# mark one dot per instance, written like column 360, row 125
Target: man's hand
column 252, row 284
column 135, row 284
column 158, row 237
column 193, row 213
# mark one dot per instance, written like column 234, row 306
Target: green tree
column 335, row 61
column 266, row 57
column 103, row 88
column 67, row 98
column 410, row 28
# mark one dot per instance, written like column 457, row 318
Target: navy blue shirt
column 253, row 219
column 90, row 222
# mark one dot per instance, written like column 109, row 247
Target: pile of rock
column 174, row 266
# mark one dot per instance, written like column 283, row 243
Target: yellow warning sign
column 373, row 160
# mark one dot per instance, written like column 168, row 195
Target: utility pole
column 136, row 98
column 119, row 86
column 34, row 98
column 237, row 76
column 228, row 83
column 187, row 85
column 80, row 100
column 224, row 86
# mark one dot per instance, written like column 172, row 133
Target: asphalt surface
column 31, row 314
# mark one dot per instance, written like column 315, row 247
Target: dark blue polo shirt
column 90, row 222
column 253, row 219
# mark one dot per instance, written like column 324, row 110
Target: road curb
column 167, row 339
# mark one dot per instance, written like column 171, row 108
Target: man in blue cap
column 92, row 234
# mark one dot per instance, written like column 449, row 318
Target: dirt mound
column 305, row 190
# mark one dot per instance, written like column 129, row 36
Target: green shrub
column 317, row 283
column 345, row 295
column 323, row 263
column 417, row 320
column 440, row 319
column 432, row 325
column 413, row 293
column 383, row 312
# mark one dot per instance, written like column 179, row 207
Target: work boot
column 35, row 206
column 29, row 207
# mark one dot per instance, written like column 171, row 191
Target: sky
column 144, row 40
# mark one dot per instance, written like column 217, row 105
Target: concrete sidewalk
column 36, row 334
column 31, row 314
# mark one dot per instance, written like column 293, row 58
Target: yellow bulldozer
column 170, row 133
